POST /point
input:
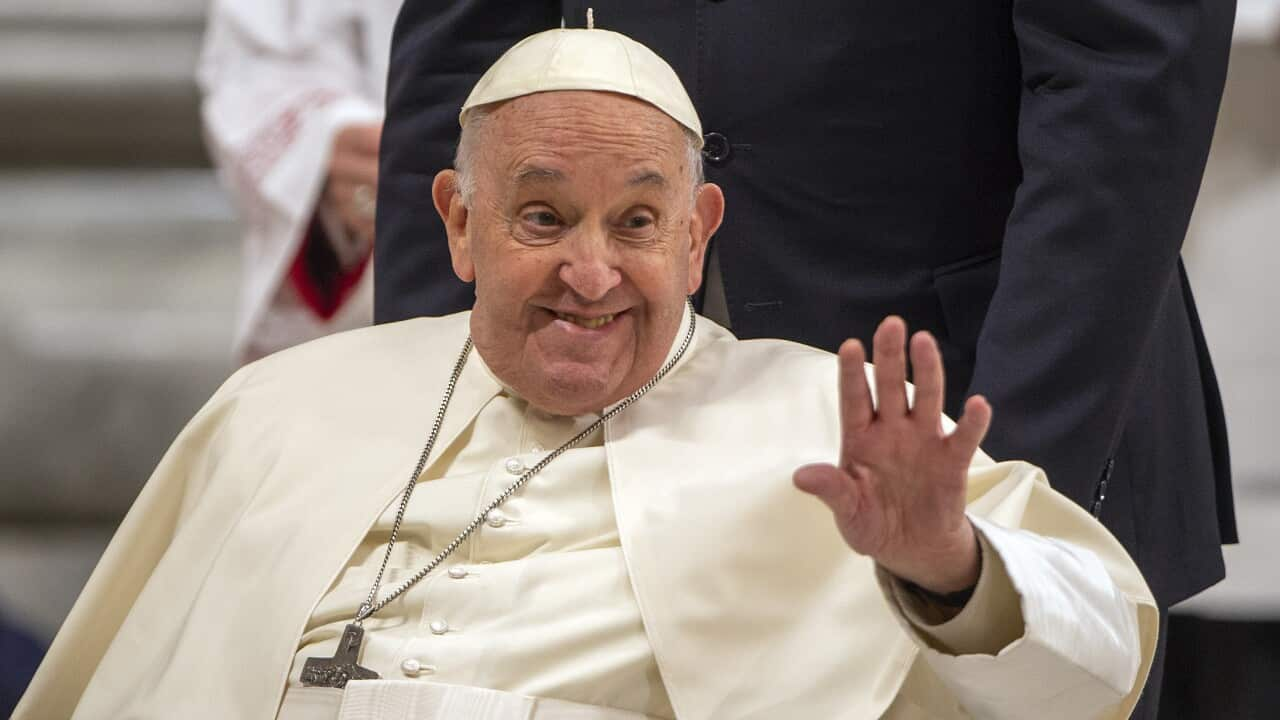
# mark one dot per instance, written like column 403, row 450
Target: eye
column 638, row 222
column 538, row 224
column 542, row 218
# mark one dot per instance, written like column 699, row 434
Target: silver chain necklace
column 344, row 665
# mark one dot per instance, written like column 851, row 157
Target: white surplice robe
column 279, row 80
column 752, row 603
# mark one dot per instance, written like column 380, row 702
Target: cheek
column 510, row 277
column 663, row 284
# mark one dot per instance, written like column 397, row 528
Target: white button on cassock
column 515, row 466
column 457, row 572
column 439, row 627
column 411, row 667
column 495, row 519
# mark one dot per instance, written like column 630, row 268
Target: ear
column 448, row 201
column 708, row 211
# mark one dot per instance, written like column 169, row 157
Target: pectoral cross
column 334, row 672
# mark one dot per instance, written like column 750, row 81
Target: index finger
column 856, row 410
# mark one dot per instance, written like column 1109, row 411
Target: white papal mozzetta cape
column 753, row 604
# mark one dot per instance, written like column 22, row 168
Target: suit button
column 439, row 627
column 715, row 148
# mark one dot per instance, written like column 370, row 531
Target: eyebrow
column 648, row 178
column 536, row 174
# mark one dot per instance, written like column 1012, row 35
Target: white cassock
column 279, row 80
column 666, row 568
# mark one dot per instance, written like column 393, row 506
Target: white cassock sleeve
column 1046, row 631
column 279, row 80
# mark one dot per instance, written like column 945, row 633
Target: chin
column 576, row 390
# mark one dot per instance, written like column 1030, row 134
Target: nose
column 590, row 269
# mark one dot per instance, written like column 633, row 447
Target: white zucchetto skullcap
column 574, row 59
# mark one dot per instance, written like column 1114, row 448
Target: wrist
column 952, row 574
column 950, row 600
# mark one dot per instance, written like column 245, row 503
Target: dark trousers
column 20, row 654
column 1221, row 669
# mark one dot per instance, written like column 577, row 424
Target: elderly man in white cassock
column 601, row 518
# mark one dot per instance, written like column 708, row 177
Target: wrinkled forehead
column 553, row 136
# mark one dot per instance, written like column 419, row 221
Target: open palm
column 898, row 490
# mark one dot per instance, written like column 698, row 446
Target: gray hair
column 478, row 117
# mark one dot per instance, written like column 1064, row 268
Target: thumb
column 829, row 484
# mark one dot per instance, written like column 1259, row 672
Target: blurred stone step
column 117, row 306
column 44, row 567
column 106, row 83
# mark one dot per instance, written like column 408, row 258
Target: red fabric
column 321, row 284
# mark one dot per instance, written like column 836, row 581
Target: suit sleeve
column 1118, row 107
column 438, row 52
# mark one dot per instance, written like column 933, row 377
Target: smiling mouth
column 588, row 323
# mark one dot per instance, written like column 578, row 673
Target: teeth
column 589, row 323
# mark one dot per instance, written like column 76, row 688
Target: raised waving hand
column 898, row 490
